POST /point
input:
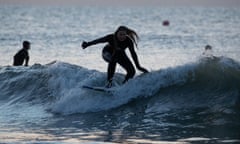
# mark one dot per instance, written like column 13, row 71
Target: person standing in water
column 22, row 55
column 114, row 52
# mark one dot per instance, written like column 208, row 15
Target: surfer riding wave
column 114, row 52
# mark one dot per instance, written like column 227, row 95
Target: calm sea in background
column 188, row 96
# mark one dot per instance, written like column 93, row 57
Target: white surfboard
column 98, row 88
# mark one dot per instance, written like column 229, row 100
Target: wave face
column 209, row 83
column 212, row 83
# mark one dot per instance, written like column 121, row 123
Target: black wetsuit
column 117, row 49
column 19, row 57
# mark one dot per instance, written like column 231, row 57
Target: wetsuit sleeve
column 134, row 55
column 135, row 58
column 104, row 39
column 26, row 60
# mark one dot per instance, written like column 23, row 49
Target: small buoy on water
column 166, row 23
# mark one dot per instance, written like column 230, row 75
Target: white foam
column 67, row 81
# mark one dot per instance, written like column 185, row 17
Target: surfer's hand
column 85, row 44
column 143, row 70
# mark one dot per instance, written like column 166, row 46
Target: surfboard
column 98, row 88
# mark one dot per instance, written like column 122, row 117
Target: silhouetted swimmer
column 22, row 55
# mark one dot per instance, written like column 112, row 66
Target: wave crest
column 58, row 85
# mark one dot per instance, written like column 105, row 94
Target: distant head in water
column 208, row 47
column 208, row 51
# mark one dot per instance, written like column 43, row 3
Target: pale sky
column 210, row 3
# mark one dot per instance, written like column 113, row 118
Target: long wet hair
column 131, row 34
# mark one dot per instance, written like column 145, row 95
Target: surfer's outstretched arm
column 96, row 41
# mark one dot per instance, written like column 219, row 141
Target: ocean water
column 188, row 96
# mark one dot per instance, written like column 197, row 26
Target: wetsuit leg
column 125, row 62
column 110, row 59
column 122, row 59
column 107, row 53
column 111, row 70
